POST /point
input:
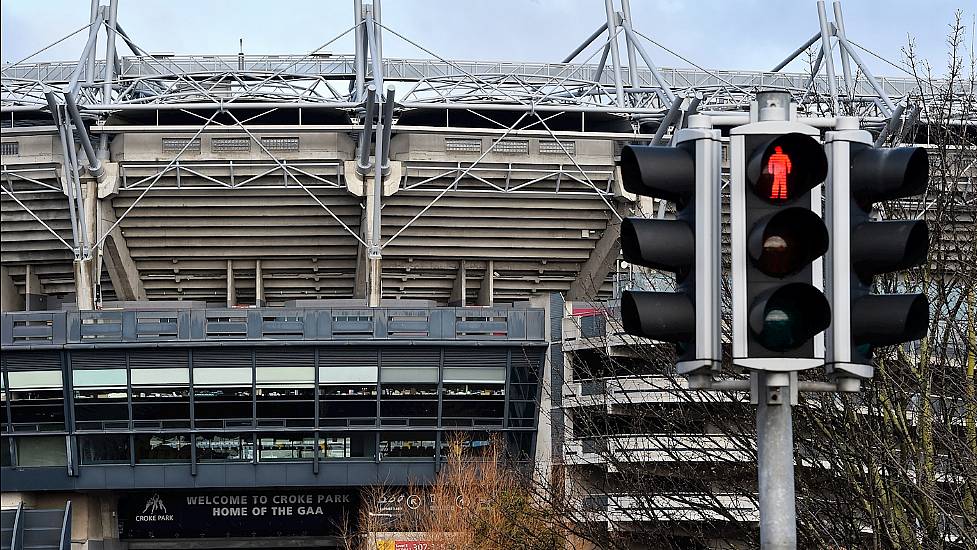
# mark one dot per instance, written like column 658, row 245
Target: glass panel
column 160, row 377
column 153, row 448
column 474, row 390
column 292, row 376
column 213, row 406
column 352, row 445
column 474, row 374
column 237, row 376
column 41, row 451
column 99, row 378
column 409, row 374
column 104, row 449
column 96, row 406
column 407, row 445
column 37, row 410
column 282, row 447
column 295, row 406
column 168, row 406
column 347, row 375
column 468, row 443
column 35, row 379
column 221, row 447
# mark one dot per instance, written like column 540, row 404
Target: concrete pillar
column 10, row 298
column 544, row 437
column 486, row 291
column 259, row 285
column 231, row 289
column 34, row 297
column 458, row 291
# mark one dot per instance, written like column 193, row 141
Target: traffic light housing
column 688, row 174
column 862, row 248
column 776, row 168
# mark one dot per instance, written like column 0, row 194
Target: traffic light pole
column 775, row 459
column 774, row 422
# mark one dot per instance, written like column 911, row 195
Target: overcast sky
column 725, row 34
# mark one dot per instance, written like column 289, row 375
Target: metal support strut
column 775, row 460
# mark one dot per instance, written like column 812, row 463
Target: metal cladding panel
column 177, row 475
column 150, row 475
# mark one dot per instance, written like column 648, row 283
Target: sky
column 717, row 34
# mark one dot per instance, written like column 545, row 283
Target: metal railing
column 37, row 329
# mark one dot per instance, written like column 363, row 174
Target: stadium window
column 222, row 397
column 101, row 399
column 41, row 451
column 225, row 447
column 104, row 449
column 36, row 400
column 286, row 447
column 161, row 398
column 162, row 447
column 407, row 445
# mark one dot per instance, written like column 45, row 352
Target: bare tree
column 895, row 466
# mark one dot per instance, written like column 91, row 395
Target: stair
column 25, row 529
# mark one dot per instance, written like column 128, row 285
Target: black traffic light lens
column 893, row 245
column 886, row 174
column 661, row 172
column 786, row 317
column 889, row 319
column 661, row 244
column 786, row 167
column 784, row 242
column 665, row 316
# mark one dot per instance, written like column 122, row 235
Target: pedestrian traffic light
column 688, row 174
column 778, row 239
column 861, row 176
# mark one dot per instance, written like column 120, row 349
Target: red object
column 779, row 166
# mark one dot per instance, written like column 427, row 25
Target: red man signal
column 779, row 166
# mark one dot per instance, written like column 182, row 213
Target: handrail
column 66, row 528
column 17, row 536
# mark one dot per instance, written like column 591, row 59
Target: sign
column 403, row 545
column 204, row 513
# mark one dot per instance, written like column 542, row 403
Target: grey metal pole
column 615, row 52
column 87, row 53
column 828, row 57
column 796, row 53
column 103, row 144
column 94, row 165
column 670, row 117
column 375, row 59
column 894, row 121
column 360, row 54
column 90, row 58
column 775, row 462
column 693, row 107
column 599, row 73
column 840, row 31
column 773, row 395
column 366, row 136
column 659, row 79
column 868, row 73
column 377, row 17
column 136, row 50
column 52, row 102
column 632, row 56
column 388, row 123
column 910, row 122
column 585, row 43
